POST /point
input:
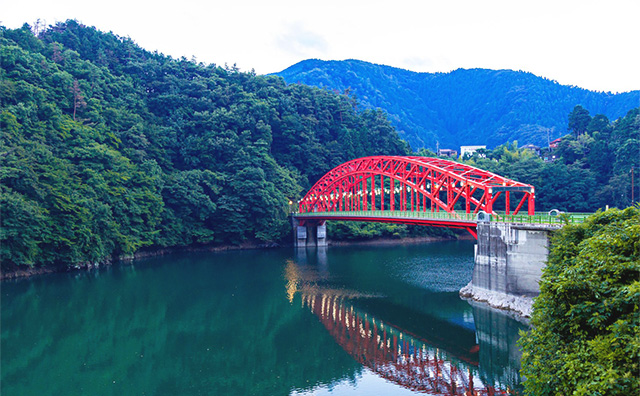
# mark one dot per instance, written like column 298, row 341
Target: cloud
column 301, row 42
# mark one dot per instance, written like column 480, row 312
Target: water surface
column 337, row 321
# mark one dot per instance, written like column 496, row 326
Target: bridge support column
column 309, row 234
column 509, row 259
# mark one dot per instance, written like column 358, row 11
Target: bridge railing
column 500, row 217
column 545, row 218
column 396, row 214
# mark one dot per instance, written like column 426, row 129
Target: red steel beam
column 422, row 175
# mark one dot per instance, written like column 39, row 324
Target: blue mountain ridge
column 464, row 106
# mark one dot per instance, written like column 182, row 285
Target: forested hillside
column 463, row 107
column 107, row 148
column 585, row 330
column 590, row 169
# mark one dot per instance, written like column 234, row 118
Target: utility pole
column 548, row 139
column 633, row 200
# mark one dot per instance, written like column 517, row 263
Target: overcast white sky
column 587, row 43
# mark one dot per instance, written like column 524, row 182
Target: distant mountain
column 463, row 107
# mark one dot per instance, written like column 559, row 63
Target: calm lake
column 356, row 320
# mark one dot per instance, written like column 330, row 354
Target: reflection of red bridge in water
column 392, row 354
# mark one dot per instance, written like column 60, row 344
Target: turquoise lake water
column 353, row 320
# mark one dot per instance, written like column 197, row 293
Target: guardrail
column 396, row 214
column 500, row 217
column 562, row 218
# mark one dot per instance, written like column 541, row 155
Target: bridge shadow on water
column 407, row 339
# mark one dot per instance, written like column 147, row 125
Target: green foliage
column 362, row 231
column 358, row 231
column 585, row 338
column 589, row 172
column 463, row 107
column 579, row 120
column 107, row 148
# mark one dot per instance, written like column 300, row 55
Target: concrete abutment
column 509, row 259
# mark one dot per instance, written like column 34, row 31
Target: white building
column 470, row 149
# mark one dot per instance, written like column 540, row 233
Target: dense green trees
column 463, row 107
column 585, row 338
column 588, row 171
column 579, row 120
column 362, row 231
column 107, row 148
column 586, row 320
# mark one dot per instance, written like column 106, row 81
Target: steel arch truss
column 414, row 184
column 396, row 355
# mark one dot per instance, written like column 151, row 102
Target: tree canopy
column 464, row 106
column 584, row 173
column 585, row 336
column 107, row 148
column 579, row 120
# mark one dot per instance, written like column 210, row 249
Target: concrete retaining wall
column 509, row 257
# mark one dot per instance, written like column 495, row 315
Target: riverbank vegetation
column 585, row 337
column 593, row 166
column 108, row 149
column 363, row 231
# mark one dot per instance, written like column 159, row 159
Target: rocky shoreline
column 519, row 306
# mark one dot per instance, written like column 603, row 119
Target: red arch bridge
column 397, row 356
column 414, row 190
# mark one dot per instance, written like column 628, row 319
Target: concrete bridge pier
column 309, row 234
column 509, row 259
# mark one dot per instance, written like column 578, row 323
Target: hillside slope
column 463, row 107
column 106, row 148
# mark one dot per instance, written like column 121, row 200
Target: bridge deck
column 461, row 220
